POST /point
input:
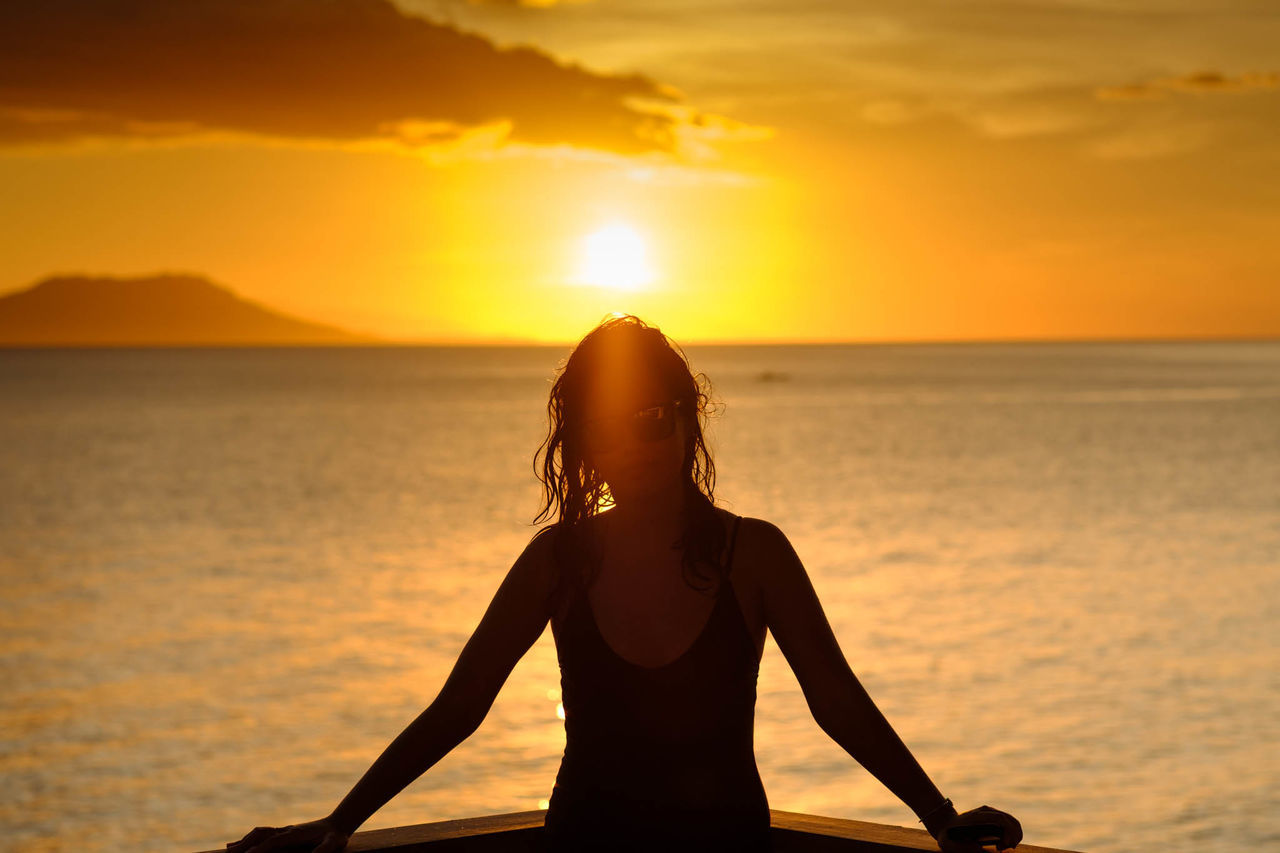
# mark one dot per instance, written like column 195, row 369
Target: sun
column 615, row 256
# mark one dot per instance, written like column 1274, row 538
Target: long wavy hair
column 574, row 491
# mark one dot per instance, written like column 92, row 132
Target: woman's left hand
column 975, row 830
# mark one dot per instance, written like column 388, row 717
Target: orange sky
column 891, row 169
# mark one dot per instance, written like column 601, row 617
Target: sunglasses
column 652, row 422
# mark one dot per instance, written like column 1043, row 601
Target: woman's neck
column 660, row 516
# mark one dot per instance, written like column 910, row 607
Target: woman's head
column 626, row 423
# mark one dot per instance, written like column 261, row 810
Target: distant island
column 159, row 310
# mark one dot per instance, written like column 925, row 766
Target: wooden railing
column 792, row 833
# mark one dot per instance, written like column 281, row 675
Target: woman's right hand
column 318, row 836
column 975, row 830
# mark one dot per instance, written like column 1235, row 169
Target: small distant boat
column 792, row 833
column 772, row 376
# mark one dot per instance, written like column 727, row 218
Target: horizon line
column 512, row 343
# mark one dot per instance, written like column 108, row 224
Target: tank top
column 659, row 758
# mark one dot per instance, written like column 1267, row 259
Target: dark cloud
column 522, row 4
column 1213, row 81
column 1208, row 82
column 340, row 70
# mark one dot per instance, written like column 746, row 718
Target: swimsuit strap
column 733, row 543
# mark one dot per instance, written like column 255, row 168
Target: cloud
column 524, row 4
column 1149, row 141
column 1199, row 82
column 1001, row 122
column 1212, row 81
column 333, row 70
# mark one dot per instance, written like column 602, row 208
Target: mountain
column 159, row 310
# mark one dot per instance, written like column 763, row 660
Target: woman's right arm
column 514, row 620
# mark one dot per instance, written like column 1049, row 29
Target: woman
column 659, row 603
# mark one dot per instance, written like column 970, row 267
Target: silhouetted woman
column 659, row 606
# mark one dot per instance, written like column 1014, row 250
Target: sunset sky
column 440, row 170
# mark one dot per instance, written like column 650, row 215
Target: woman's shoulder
column 539, row 556
column 769, row 571
column 758, row 532
column 760, row 546
column 557, row 546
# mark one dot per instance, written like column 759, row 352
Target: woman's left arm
column 838, row 701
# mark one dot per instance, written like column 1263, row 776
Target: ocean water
column 228, row 578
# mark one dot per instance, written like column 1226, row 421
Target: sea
column 230, row 577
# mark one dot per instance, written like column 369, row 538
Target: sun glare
column 615, row 256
